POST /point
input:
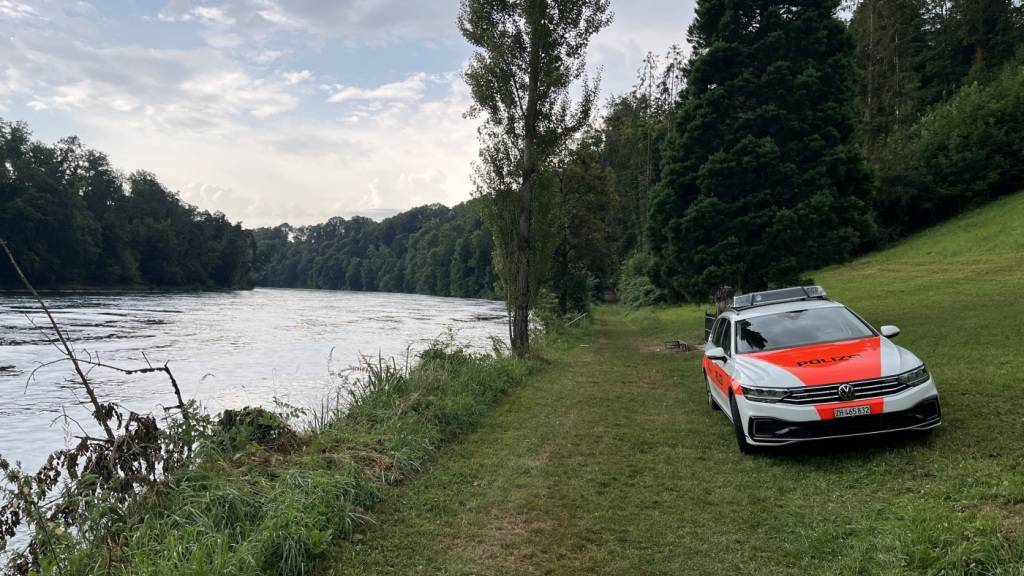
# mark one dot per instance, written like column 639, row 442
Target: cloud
column 639, row 26
column 411, row 88
column 175, row 87
column 15, row 10
column 297, row 77
column 176, row 11
column 360, row 21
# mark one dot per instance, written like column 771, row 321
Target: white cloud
column 411, row 88
column 359, row 21
column 297, row 77
column 70, row 96
column 213, row 15
column 235, row 92
column 15, row 10
column 639, row 26
column 176, row 11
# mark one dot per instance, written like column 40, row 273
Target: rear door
column 719, row 372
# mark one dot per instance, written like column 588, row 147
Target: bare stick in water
column 99, row 410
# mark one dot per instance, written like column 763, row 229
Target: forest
column 73, row 220
column 780, row 141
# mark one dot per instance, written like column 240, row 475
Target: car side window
column 725, row 338
column 716, row 331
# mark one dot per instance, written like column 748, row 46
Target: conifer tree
column 761, row 179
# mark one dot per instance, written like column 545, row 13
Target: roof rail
column 793, row 294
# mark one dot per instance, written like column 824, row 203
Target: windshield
column 799, row 328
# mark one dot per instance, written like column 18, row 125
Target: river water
column 226, row 349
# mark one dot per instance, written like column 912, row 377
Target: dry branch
column 100, row 411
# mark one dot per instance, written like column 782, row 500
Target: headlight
column 916, row 376
column 764, row 394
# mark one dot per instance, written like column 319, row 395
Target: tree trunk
column 521, row 294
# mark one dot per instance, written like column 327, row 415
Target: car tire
column 711, row 400
column 741, row 438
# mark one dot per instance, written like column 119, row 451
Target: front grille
column 924, row 415
column 830, row 393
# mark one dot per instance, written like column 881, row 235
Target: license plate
column 851, row 411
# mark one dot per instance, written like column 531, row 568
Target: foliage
column 427, row 250
column 761, row 178
column 252, row 504
column 914, row 54
column 584, row 201
column 237, row 429
column 75, row 220
column 890, row 47
column 961, row 154
column 530, row 58
column 636, row 289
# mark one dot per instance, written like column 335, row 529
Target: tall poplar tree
column 761, row 179
column 530, row 56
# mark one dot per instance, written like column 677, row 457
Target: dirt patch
column 1009, row 514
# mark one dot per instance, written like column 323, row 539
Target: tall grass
column 253, row 507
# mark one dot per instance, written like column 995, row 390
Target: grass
column 608, row 461
column 264, row 499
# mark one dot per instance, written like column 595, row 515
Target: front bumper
column 926, row 414
column 774, row 424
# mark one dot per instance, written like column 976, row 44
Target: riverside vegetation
column 262, row 497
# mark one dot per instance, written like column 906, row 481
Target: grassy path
column 608, row 461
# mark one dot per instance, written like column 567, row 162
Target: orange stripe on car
column 829, row 363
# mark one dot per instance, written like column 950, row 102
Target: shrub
column 635, row 286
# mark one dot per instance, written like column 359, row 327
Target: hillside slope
column 609, row 462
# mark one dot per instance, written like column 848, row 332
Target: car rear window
column 799, row 328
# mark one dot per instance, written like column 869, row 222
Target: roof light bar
column 776, row 296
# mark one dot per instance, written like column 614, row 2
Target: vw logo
column 846, row 392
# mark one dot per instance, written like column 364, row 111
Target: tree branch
column 98, row 410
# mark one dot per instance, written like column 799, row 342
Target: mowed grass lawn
column 608, row 461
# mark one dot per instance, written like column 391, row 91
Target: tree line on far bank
column 431, row 249
column 71, row 219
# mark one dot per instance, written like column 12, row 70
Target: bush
column 962, row 154
column 253, row 425
column 635, row 286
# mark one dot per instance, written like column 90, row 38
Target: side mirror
column 890, row 331
column 716, row 353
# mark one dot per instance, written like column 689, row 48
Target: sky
column 277, row 110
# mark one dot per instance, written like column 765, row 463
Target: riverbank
column 272, row 492
column 610, row 462
column 87, row 289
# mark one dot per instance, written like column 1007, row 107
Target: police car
column 791, row 365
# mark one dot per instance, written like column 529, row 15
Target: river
column 226, row 349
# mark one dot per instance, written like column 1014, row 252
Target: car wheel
column 741, row 438
column 711, row 400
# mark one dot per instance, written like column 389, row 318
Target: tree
column 71, row 220
column 890, row 39
column 761, row 178
column 531, row 54
column 584, row 258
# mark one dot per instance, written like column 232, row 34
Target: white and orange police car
column 791, row 365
